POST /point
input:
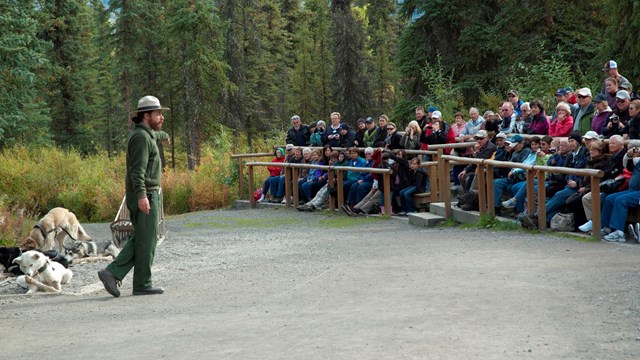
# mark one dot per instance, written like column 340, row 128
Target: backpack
column 469, row 201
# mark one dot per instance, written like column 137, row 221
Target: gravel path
column 279, row 284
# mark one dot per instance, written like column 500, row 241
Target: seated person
column 363, row 185
column 616, row 206
column 274, row 172
column 417, row 184
column 520, row 155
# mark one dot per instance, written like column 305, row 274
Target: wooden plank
column 491, row 196
column 332, row 185
column 595, row 208
column 340, row 188
column 241, row 179
column 542, row 201
column 482, row 189
column 252, row 201
column 531, row 200
column 387, row 193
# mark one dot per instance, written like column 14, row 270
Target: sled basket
column 122, row 228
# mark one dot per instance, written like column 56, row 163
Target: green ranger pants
column 140, row 249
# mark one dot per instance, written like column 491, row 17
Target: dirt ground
column 279, row 284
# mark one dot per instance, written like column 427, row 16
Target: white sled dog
column 40, row 273
column 52, row 230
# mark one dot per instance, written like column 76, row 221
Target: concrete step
column 424, row 219
column 460, row 215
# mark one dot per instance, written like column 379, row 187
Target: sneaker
column 455, row 188
column 586, row 227
column 616, row 236
column 606, row 231
column 509, row 204
column 261, row 198
column 402, row 213
column 284, row 201
column 347, row 209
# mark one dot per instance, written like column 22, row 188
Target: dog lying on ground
column 52, row 230
column 8, row 254
column 41, row 273
column 91, row 251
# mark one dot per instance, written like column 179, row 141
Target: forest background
column 235, row 71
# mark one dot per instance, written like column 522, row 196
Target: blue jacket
column 353, row 175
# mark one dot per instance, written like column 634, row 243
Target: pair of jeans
column 557, row 202
column 500, row 187
column 358, row 191
column 406, row 199
column 616, row 206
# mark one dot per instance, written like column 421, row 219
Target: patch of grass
column 450, row 223
column 345, row 222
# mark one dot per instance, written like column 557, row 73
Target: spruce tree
column 24, row 113
column 351, row 84
column 68, row 25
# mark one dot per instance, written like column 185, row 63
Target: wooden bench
column 422, row 200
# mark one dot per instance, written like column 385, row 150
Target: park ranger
column 142, row 200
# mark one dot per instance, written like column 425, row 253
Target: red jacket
column 275, row 170
column 564, row 128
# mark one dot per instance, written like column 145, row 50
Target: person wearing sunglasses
column 616, row 123
column 584, row 113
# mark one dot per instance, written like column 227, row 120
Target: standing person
column 411, row 138
column 331, row 135
column 316, row 136
column 299, row 133
column 514, row 99
column 142, row 184
column 611, row 69
column 362, row 127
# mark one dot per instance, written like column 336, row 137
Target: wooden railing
column 435, row 151
column 486, row 195
column 291, row 178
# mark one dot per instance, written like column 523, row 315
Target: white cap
column 436, row 115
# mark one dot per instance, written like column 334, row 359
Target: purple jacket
column 539, row 125
column 599, row 120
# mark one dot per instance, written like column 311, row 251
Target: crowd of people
column 572, row 135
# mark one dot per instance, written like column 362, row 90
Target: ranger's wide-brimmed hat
column 148, row 103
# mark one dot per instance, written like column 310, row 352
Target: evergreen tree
column 620, row 40
column 383, row 32
column 195, row 33
column 68, row 25
column 350, row 82
column 24, row 117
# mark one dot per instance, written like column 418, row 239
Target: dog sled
column 122, row 228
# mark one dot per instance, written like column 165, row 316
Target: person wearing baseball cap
column 514, row 99
column 602, row 113
column 618, row 120
column 584, row 112
column 611, row 69
column 486, row 150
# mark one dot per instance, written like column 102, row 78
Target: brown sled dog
column 52, row 230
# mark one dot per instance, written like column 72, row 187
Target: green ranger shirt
column 143, row 160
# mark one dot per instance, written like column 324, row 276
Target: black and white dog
column 9, row 253
column 90, row 251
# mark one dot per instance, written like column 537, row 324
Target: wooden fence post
column 241, row 179
column 542, row 201
column 340, row 188
column 387, row 193
column 443, row 176
column 332, row 185
column 531, row 200
column 595, row 207
column 252, row 201
column 491, row 197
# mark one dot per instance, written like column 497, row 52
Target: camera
column 615, row 119
column 635, row 150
